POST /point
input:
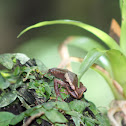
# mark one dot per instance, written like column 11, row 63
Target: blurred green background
column 17, row 15
column 43, row 43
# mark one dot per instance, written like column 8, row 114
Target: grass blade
column 123, row 26
column 110, row 82
column 97, row 32
column 89, row 60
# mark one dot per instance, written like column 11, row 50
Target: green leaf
column 48, row 90
column 77, row 121
column 17, row 118
column 7, row 98
column 118, row 64
column 21, row 57
column 76, row 116
column 6, row 60
column 63, row 106
column 41, row 66
column 35, row 111
column 91, row 121
column 100, row 34
column 3, row 83
column 5, row 118
column 55, row 116
column 123, row 26
column 30, row 112
column 56, row 124
column 93, row 108
column 121, row 4
column 85, row 43
column 103, row 120
column 49, row 105
column 78, row 105
column 74, row 113
column 89, row 60
column 17, row 70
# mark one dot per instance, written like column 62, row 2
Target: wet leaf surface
column 35, row 91
column 55, row 116
column 5, row 118
column 6, row 60
column 7, row 98
column 3, row 83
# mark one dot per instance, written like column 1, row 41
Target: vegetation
column 27, row 91
column 116, row 68
column 26, row 79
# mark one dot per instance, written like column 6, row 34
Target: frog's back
column 58, row 73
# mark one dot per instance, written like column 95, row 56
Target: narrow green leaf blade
column 123, row 24
column 97, row 32
column 89, row 60
column 87, row 44
column 110, row 83
column 118, row 64
column 121, row 4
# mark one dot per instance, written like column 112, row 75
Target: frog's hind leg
column 56, row 83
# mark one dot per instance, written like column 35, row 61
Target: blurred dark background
column 15, row 15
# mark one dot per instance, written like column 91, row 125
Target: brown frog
column 69, row 81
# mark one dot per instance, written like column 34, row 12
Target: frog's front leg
column 56, row 83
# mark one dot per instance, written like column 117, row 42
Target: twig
column 32, row 118
column 64, row 54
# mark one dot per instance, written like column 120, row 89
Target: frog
column 69, row 81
